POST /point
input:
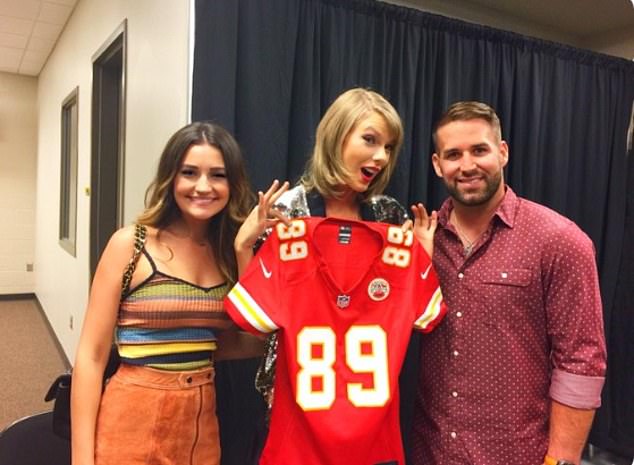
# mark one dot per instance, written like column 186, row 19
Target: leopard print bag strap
column 139, row 241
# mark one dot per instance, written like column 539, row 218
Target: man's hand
column 424, row 226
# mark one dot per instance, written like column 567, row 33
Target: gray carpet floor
column 30, row 360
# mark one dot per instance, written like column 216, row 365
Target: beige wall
column 157, row 104
column 618, row 43
column 18, row 150
column 474, row 13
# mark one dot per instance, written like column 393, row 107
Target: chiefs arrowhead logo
column 378, row 289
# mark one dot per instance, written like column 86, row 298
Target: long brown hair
column 161, row 208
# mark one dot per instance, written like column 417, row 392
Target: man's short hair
column 469, row 110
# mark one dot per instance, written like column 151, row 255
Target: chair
column 31, row 441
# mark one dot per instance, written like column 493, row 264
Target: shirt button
column 455, row 353
column 460, row 275
column 453, row 435
column 459, row 314
column 454, row 393
column 189, row 379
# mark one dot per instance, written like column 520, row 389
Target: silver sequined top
column 295, row 203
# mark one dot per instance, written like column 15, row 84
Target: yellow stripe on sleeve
column 431, row 311
column 250, row 310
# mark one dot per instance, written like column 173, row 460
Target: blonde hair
column 325, row 171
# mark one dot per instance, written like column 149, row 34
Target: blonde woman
column 355, row 153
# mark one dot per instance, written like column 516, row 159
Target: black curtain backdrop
column 268, row 69
column 614, row 425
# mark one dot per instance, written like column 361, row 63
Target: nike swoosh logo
column 267, row 274
column 424, row 275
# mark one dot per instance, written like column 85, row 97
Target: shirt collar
column 316, row 203
column 505, row 211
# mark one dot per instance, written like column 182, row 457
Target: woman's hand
column 424, row 226
column 264, row 215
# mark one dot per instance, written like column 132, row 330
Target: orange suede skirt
column 158, row 417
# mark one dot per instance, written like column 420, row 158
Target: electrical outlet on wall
column 29, row 267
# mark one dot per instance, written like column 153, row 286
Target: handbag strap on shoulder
column 139, row 241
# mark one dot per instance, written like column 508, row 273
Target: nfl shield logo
column 343, row 301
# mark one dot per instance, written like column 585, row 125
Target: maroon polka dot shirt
column 523, row 326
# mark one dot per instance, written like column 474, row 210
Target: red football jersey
column 344, row 296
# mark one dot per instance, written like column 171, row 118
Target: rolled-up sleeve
column 578, row 391
column 575, row 321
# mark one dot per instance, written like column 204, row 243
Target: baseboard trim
column 26, row 296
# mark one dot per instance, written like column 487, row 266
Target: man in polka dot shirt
column 514, row 373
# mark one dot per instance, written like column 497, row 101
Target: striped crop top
column 170, row 324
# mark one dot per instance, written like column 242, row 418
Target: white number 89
column 365, row 352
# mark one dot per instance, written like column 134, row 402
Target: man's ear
column 504, row 152
column 435, row 160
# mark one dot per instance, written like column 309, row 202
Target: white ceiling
column 30, row 28
column 28, row 32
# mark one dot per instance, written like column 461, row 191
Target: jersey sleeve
column 428, row 301
column 253, row 301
